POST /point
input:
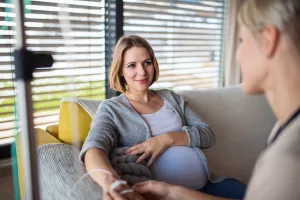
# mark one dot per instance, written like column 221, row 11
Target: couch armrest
column 53, row 130
column 42, row 137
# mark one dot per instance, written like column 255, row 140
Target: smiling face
column 137, row 69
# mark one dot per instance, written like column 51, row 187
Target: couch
column 241, row 123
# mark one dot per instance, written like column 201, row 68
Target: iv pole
column 25, row 62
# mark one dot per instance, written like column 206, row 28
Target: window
column 186, row 36
column 76, row 40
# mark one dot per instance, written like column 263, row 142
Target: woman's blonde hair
column 116, row 81
column 283, row 14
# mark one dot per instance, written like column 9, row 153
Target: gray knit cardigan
column 117, row 124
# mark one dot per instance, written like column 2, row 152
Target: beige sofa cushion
column 241, row 123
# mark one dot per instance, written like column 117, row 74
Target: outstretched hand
column 121, row 192
column 149, row 190
column 156, row 190
column 114, row 195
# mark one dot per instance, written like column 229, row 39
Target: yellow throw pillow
column 74, row 123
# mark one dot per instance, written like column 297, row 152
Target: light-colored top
column 178, row 165
column 277, row 173
column 117, row 124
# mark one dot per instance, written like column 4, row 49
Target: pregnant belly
column 181, row 166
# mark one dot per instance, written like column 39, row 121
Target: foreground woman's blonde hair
column 283, row 14
column 116, row 81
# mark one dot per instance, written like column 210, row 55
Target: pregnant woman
column 159, row 126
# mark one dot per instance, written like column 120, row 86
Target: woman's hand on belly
column 152, row 148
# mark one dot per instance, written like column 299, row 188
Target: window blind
column 73, row 31
column 7, row 85
column 186, row 36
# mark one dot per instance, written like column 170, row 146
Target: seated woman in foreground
column 157, row 125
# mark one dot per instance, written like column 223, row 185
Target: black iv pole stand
column 25, row 62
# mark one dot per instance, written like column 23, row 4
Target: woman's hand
column 115, row 195
column 152, row 147
column 163, row 191
column 158, row 190
column 107, row 181
column 108, row 191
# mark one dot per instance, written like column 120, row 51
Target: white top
column 179, row 165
